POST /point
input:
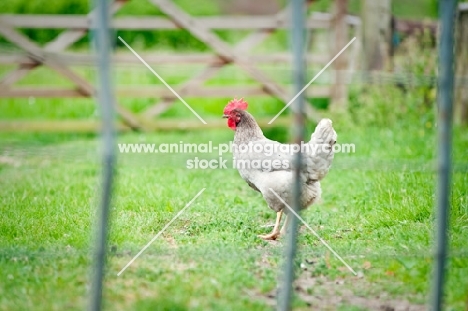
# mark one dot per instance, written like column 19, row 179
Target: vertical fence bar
column 297, row 38
column 444, row 127
column 105, row 96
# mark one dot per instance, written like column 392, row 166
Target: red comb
column 235, row 104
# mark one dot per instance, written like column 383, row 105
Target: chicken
column 267, row 165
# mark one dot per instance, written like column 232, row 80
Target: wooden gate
column 54, row 55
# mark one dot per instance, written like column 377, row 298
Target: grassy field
column 377, row 213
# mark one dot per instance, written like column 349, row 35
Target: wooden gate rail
column 80, row 59
column 52, row 55
column 85, row 126
column 315, row 20
column 155, row 91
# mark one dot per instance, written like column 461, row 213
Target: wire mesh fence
column 376, row 213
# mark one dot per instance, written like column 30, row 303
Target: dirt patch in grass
column 9, row 161
column 320, row 292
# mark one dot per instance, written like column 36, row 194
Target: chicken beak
column 225, row 116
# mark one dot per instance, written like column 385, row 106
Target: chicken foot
column 275, row 233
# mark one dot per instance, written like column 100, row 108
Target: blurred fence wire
column 297, row 38
column 106, row 101
column 445, row 116
column 445, row 82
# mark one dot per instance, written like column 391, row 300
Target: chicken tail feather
column 320, row 156
column 324, row 133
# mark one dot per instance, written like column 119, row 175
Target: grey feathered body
column 317, row 161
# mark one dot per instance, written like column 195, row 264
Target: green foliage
column 388, row 106
column 407, row 100
column 177, row 39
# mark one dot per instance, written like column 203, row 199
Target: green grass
column 377, row 207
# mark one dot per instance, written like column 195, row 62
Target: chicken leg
column 275, row 233
column 285, row 225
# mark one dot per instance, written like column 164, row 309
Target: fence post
column 340, row 36
column 444, row 129
column 461, row 61
column 297, row 35
column 376, row 17
column 106, row 100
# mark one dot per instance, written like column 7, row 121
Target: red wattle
column 231, row 123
